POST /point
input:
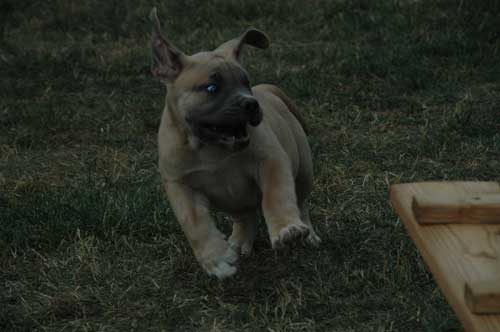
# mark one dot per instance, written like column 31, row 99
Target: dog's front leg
column 209, row 246
column 279, row 203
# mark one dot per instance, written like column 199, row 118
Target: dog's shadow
column 266, row 274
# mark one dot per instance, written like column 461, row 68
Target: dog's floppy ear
column 253, row 37
column 168, row 61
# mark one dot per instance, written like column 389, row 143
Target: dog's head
column 209, row 93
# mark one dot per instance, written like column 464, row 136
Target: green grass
column 395, row 91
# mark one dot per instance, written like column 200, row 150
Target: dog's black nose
column 250, row 105
column 253, row 111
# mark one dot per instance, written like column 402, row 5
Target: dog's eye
column 211, row 88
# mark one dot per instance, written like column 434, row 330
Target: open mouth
column 234, row 136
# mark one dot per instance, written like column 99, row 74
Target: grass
column 395, row 91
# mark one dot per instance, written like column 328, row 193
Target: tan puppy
column 227, row 145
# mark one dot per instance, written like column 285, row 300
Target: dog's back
column 288, row 102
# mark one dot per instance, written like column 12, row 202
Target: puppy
column 226, row 145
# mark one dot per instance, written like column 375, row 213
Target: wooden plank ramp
column 456, row 253
column 457, row 208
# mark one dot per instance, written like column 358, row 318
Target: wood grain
column 457, row 207
column 455, row 253
column 483, row 297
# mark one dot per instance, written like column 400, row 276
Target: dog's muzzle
column 228, row 126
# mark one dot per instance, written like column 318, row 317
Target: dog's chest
column 228, row 187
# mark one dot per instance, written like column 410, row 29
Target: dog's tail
column 289, row 104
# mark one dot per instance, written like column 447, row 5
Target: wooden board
column 455, row 253
column 457, row 207
column 483, row 297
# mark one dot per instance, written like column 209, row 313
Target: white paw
column 294, row 233
column 243, row 246
column 218, row 259
column 313, row 239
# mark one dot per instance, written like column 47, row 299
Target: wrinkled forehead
column 203, row 66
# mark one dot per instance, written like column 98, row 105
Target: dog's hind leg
column 313, row 238
column 244, row 231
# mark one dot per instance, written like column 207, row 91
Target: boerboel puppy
column 227, row 145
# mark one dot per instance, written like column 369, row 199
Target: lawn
column 394, row 91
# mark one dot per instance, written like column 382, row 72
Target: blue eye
column 211, row 88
